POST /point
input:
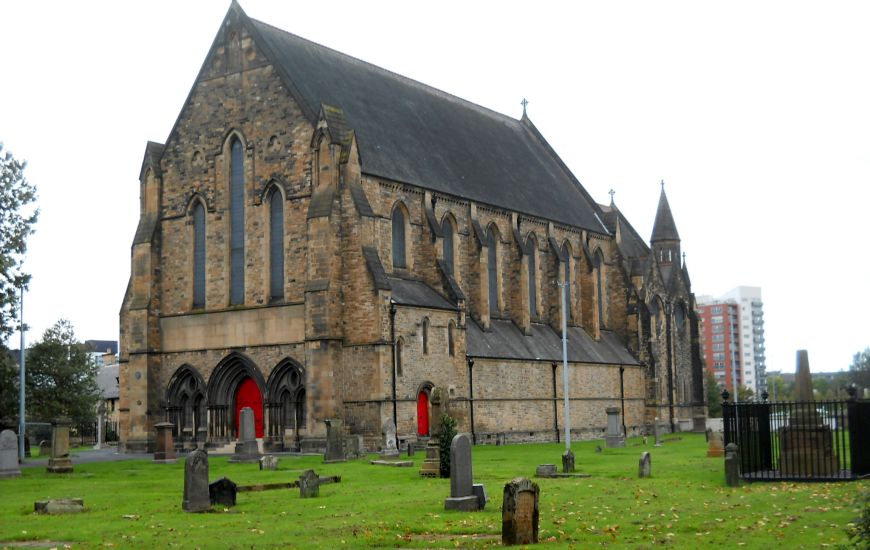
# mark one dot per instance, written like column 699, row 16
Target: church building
column 320, row 238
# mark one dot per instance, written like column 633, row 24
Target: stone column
column 165, row 452
column 614, row 436
column 60, row 462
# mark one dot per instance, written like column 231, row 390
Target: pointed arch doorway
column 248, row 395
column 423, row 414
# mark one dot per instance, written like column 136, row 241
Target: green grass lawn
column 685, row 504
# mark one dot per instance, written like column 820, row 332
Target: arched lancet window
column 276, row 245
column 532, row 252
column 399, row 259
column 492, row 260
column 198, row 255
column 425, row 330
column 237, row 223
column 451, row 343
column 680, row 317
column 566, row 265
column 599, row 286
column 400, row 348
column 447, row 231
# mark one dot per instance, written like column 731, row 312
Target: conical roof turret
column 664, row 228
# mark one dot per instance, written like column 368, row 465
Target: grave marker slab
column 568, row 462
column 334, row 441
column 165, row 451
column 519, row 516
column 59, row 506
column 9, row 454
column 60, row 462
column 614, row 436
column 246, row 449
column 390, row 448
column 644, row 465
column 196, row 490
column 462, row 495
column 716, row 445
column 309, row 484
column 269, row 462
column 732, row 465
column 223, row 492
column 545, row 470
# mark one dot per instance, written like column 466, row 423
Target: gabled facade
column 320, row 238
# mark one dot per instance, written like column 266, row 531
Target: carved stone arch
column 400, row 228
column 286, row 409
column 425, row 334
column 274, row 185
column 449, row 233
column 186, row 403
column 197, row 197
column 493, row 275
column 423, row 395
column 231, row 373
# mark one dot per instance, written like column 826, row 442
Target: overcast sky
column 755, row 114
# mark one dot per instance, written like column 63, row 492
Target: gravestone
column 196, row 490
column 334, row 441
column 545, row 470
column 410, row 449
column 246, row 448
column 807, row 447
column 60, row 462
column 309, row 484
column 390, row 448
column 644, row 465
column 165, row 451
column 269, row 462
column 598, row 448
column 59, row 506
column 355, row 446
column 44, row 448
column 732, row 465
column 462, row 495
column 9, row 454
column 658, row 433
column 614, row 436
column 223, row 492
column 568, row 462
column 519, row 512
column 716, row 445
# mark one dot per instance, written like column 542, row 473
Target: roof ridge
column 437, row 91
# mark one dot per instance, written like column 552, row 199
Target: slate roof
column 412, row 133
column 101, row 346
column 664, row 228
column 632, row 244
column 417, row 293
column 107, row 381
column 505, row 340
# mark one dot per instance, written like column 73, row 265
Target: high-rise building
column 733, row 331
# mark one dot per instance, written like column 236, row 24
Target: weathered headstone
column 716, row 445
column 568, row 462
column 462, row 495
column 519, row 512
column 334, row 441
column 355, row 446
column 658, row 433
column 269, row 462
column 598, row 448
column 309, row 484
column 644, row 465
column 60, row 462
column 545, row 470
column 59, row 506
column 165, row 450
column 390, row 448
column 614, row 436
column 806, row 444
column 732, row 465
column 223, row 492
column 246, row 448
column 44, row 448
column 9, row 454
column 196, row 490
column 410, row 449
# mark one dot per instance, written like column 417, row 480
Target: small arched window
column 425, row 330
column 400, row 348
column 399, row 259
column 276, row 245
column 492, row 261
column 447, row 231
column 531, row 251
column 599, row 286
column 198, row 255
column 680, row 317
column 451, row 344
column 237, row 223
column 566, row 265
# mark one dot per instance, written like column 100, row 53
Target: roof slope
column 412, row 133
column 664, row 228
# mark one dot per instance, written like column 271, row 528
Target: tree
column 16, row 224
column 745, row 394
column 61, row 378
column 714, row 399
column 8, row 389
column 859, row 371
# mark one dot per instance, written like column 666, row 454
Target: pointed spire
column 524, row 102
column 664, row 228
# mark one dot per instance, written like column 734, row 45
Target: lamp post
column 22, row 425
column 565, row 392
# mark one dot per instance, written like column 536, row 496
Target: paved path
column 108, row 454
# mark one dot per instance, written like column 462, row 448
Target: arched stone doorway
column 185, row 405
column 248, row 395
column 235, row 383
column 285, row 403
column 423, row 413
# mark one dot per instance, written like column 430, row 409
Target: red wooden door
column 423, row 414
column 248, row 395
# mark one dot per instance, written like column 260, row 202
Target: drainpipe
column 670, row 364
column 470, row 363
column 393, row 341
column 622, row 398
column 555, row 403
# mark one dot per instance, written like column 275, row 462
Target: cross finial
column 611, row 193
column 684, row 258
column 663, row 185
column 524, row 102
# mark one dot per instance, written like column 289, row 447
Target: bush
column 859, row 528
column 448, row 431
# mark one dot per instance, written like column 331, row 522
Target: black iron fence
column 800, row 440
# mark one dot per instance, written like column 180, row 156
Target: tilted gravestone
column 165, row 450
column 196, row 493
column 519, row 512
column 462, row 495
column 545, row 470
column 614, row 436
column 9, row 454
column 568, row 462
column 716, row 445
column 60, row 462
column 309, row 484
column 644, row 465
column 732, row 465
column 390, row 448
column 246, row 447
column 223, row 492
column 54, row 507
column 334, row 441
column 269, row 462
